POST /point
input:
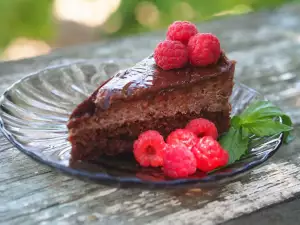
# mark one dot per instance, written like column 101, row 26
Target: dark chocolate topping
column 88, row 106
column 145, row 79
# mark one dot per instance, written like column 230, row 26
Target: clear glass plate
column 35, row 110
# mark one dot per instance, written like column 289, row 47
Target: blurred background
column 35, row 27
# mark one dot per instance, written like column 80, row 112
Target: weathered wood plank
column 280, row 214
column 266, row 46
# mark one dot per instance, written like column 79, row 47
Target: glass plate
column 35, row 110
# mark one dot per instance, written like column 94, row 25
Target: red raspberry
column 202, row 127
column 148, row 149
column 204, row 49
column 181, row 31
column 170, row 55
column 179, row 161
column 182, row 136
column 209, row 154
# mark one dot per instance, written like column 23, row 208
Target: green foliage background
column 204, row 9
column 33, row 18
column 29, row 18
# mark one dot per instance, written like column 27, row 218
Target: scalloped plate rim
column 98, row 177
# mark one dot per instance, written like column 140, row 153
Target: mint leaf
column 256, row 108
column 245, row 132
column 260, row 119
column 287, row 136
column 286, row 120
column 264, row 110
column 235, row 121
column 266, row 127
column 259, row 110
column 235, row 143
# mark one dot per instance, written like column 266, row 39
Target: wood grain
column 267, row 48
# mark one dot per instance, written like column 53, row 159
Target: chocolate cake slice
column 146, row 97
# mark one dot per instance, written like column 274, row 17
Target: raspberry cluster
column 185, row 151
column 185, row 45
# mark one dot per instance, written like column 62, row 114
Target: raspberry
column 209, row 154
column 202, row 127
column 170, row 55
column 182, row 136
column 204, row 49
column 179, row 161
column 181, row 31
column 148, row 149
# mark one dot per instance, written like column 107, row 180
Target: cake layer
column 91, row 143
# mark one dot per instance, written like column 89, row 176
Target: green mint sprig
column 261, row 118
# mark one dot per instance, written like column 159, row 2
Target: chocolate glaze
column 88, row 106
column 145, row 79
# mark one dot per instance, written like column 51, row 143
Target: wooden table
column 267, row 48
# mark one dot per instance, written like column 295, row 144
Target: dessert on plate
column 187, row 77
